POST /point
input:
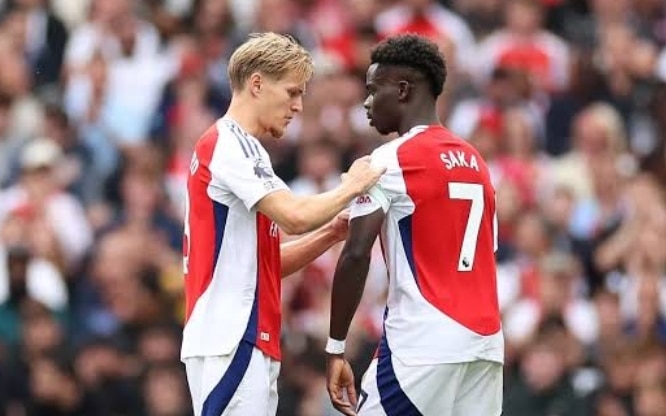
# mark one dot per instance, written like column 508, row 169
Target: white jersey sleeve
column 243, row 167
column 380, row 196
column 390, row 189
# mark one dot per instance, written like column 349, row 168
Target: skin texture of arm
column 298, row 253
column 297, row 215
column 352, row 271
column 348, row 284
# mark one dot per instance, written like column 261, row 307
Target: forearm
column 348, row 285
column 298, row 253
column 315, row 211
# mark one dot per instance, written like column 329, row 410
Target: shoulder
column 459, row 152
column 388, row 151
column 223, row 140
column 205, row 146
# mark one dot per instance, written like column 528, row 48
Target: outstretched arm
column 298, row 215
column 298, row 253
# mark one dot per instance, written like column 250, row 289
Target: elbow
column 355, row 255
column 294, row 224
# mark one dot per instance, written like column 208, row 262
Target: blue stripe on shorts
column 218, row 399
column 394, row 400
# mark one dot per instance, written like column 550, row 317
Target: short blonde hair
column 271, row 54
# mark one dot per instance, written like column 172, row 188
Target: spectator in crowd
column 100, row 104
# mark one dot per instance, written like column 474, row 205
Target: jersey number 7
column 472, row 192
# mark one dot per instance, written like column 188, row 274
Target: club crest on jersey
column 261, row 169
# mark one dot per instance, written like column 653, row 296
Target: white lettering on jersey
column 194, row 164
column 265, row 336
column 472, row 192
column 186, row 233
column 273, row 230
column 459, row 159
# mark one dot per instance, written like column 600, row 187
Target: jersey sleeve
column 244, row 169
column 381, row 194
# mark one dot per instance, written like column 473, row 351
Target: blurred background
column 101, row 102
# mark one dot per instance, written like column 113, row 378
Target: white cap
column 40, row 152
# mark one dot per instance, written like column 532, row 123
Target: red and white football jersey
column 231, row 252
column 439, row 240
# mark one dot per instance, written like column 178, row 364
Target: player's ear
column 254, row 83
column 404, row 90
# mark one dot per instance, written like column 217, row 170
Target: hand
column 339, row 226
column 340, row 379
column 362, row 175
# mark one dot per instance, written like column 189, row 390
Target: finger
column 351, row 395
column 338, row 400
column 344, row 408
column 332, row 388
column 380, row 169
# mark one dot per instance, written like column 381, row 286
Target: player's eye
column 295, row 93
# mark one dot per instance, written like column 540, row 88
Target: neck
column 427, row 115
column 240, row 111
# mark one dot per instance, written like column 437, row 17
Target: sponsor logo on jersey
column 364, row 199
column 261, row 169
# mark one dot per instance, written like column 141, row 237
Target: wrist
column 335, row 346
column 331, row 234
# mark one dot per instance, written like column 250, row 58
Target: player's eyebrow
column 296, row 91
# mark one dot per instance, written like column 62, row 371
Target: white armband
column 379, row 196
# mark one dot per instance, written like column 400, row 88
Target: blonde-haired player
column 233, row 261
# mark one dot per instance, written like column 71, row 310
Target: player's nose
column 367, row 102
column 297, row 105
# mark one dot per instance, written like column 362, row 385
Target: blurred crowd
column 101, row 102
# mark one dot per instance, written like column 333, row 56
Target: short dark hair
column 416, row 52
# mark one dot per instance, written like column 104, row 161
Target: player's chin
column 380, row 129
column 377, row 125
column 277, row 132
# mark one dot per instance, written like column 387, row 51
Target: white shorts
column 243, row 383
column 390, row 388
